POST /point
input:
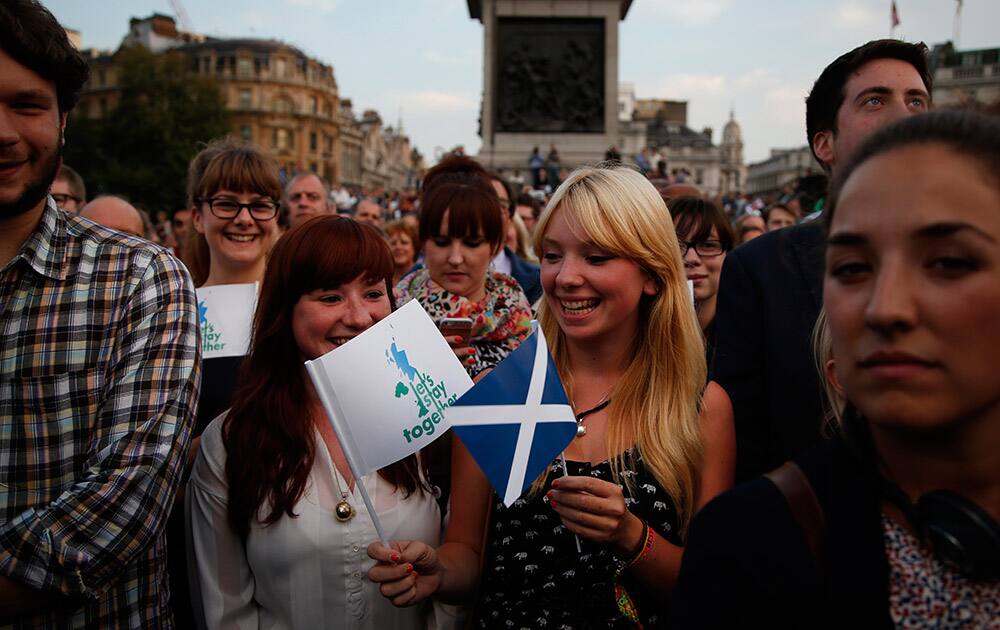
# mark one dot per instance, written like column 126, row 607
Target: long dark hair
column 269, row 442
column 967, row 132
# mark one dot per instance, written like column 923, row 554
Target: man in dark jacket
column 770, row 293
column 507, row 261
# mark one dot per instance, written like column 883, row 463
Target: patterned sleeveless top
column 535, row 578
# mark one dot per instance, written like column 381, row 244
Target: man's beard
column 37, row 189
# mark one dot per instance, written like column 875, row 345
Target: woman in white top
column 277, row 528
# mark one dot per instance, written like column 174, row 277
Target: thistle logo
column 430, row 396
column 211, row 341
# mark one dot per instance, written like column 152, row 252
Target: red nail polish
column 555, row 483
column 409, row 568
column 553, row 503
column 394, row 557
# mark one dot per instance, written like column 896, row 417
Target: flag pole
column 956, row 24
column 562, row 456
column 346, row 445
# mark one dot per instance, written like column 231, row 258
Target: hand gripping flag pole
column 517, row 420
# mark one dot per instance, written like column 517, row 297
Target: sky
column 421, row 61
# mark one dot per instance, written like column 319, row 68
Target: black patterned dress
column 535, row 578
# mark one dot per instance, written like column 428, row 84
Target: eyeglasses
column 62, row 198
column 225, row 208
column 705, row 249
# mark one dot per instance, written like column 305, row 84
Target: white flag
column 386, row 390
column 225, row 313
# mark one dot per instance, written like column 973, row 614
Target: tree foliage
column 141, row 149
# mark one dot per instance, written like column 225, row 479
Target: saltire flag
column 517, row 419
column 894, row 15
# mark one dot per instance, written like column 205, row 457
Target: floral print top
column 926, row 593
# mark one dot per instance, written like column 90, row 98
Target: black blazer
column 527, row 275
column 746, row 563
column 770, row 295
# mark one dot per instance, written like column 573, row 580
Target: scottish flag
column 516, row 420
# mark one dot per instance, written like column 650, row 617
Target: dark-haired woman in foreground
column 912, row 294
column 274, row 545
column 461, row 227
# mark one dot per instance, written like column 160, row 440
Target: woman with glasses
column 233, row 190
column 705, row 235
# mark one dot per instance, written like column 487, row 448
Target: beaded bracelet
column 625, row 604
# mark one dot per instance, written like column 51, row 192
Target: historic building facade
column 965, row 75
column 277, row 96
column 658, row 128
column 783, row 168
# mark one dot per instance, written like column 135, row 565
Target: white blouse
column 305, row 572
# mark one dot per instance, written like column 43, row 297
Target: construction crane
column 182, row 16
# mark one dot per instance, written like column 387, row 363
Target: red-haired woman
column 272, row 505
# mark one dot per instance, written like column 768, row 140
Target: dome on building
column 731, row 133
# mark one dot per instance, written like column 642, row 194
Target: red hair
column 269, row 441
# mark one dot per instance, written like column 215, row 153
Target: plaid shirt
column 99, row 370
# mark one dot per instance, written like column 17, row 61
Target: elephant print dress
column 535, row 578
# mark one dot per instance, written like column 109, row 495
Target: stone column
column 550, row 77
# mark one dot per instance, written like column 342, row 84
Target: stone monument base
column 550, row 79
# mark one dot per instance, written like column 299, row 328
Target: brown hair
column 695, row 217
column 406, row 228
column 322, row 253
column 472, row 206
column 827, row 94
column 224, row 164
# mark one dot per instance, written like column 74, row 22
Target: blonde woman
column 652, row 446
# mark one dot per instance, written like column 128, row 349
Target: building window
column 312, row 141
column 282, row 139
column 246, row 133
column 313, row 167
column 313, row 106
column 103, row 104
column 699, row 176
column 101, row 78
column 283, row 105
column 244, row 67
column 246, row 99
column 280, row 67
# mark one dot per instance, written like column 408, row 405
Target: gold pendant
column 344, row 512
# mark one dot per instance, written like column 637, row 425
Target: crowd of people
column 787, row 412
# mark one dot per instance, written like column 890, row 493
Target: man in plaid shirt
column 98, row 371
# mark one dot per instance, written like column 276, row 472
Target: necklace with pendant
column 582, row 430
column 343, row 511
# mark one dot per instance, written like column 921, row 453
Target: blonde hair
column 833, row 403
column 524, row 249
column 656, row 404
